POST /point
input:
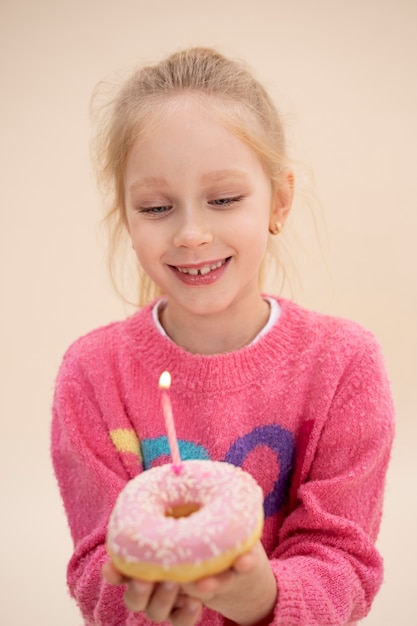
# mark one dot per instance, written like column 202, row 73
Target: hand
column 245, row 593
column 159, row 601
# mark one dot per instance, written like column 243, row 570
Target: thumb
column 248, row 561
column 112, row 575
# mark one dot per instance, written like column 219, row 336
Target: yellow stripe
column 125, row 440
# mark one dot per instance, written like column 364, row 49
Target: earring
column 276, row 229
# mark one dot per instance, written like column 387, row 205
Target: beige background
column 343, row 72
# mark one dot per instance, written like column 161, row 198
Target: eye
column 225, row 202
column 154, row 211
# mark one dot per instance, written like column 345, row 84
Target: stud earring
column 276, row 229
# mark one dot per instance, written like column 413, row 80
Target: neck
column 215, row 334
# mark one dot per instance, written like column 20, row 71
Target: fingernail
column 192, row 605
column 169, row 585
column 140, row 587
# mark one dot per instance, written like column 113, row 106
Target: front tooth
column 202, row 271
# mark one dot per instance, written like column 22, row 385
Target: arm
column 90, row 475
column 327, row 568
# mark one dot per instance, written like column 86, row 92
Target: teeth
column 202, row 271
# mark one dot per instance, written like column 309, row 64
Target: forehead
column 192, row 108
column 187, row 139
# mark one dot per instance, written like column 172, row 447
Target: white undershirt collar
column 274, row 313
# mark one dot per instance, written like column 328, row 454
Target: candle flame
column 165, row 380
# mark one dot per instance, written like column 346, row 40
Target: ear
column 282, row 199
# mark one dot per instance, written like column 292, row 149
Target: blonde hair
column 222, row 85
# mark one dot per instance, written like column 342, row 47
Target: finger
column 205, row 588
column 112, row 575
column 138, row 594
column 245, row 563
column 162, row 601
column 250, row 560
column 187, row 614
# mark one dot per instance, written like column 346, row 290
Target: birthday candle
column 164, row 385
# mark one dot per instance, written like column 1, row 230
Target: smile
column 201, row 271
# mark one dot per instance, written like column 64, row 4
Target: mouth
column 203, row 270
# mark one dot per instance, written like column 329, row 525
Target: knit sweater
column 307, row 410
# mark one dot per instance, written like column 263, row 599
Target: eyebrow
column 214, row 176
column 222, row 174
column 147, row 181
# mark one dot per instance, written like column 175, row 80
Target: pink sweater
column 306, row 410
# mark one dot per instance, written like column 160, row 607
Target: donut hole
column 182, row 510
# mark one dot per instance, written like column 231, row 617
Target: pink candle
column 165, row 384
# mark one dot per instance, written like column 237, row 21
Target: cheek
column 150, row 248
column 143, row 248
column 147, row 258
column 141, row 233
column 253, row 229
column 141, row 245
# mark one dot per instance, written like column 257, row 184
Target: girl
column 195, row 155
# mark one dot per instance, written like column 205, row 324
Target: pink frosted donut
column 184, row 525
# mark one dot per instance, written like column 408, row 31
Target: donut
column 186, row 524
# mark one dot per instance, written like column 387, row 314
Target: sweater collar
column 205, row 373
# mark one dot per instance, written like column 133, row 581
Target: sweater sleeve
column 326, row 564
column 90, row 475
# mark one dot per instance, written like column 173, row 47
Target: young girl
column 195, row 154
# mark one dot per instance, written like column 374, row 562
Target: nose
column 192, row 230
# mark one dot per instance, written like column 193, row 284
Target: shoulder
column 330, row 332
column 96, row 350
column 345, row 360
column 331, row 348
